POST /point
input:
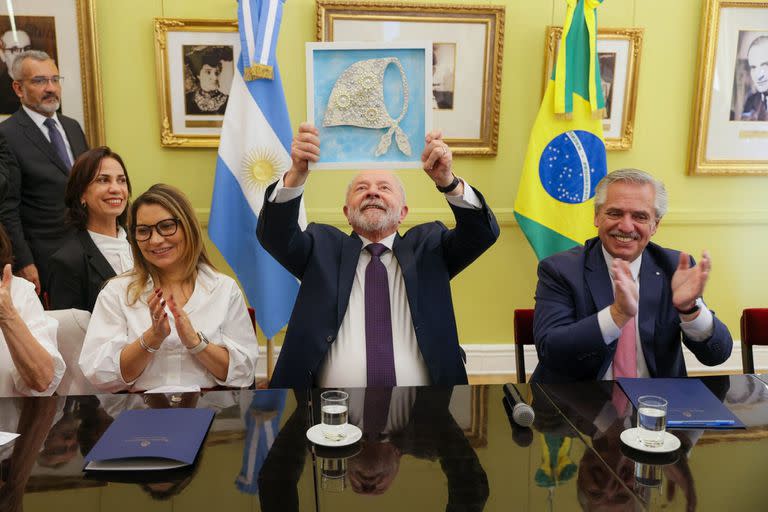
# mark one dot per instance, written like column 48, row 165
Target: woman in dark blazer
column 97, row 199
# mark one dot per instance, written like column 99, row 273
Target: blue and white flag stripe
column 253, row 152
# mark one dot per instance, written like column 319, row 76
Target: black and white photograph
column 32, row 33
column 607, row 70
column 443, row 75
column 196, row 68
column 750, row 77
column 207, row 78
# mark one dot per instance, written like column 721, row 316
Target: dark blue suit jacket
column 574, row 285
column 325, row 258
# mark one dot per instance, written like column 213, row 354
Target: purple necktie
column 58, row 142
column 379, row 354
column 376, row 411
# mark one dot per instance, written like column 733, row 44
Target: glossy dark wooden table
column 443, row 449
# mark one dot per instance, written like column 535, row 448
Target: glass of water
column 334, row 407
column 651, row 420
column 333, row 474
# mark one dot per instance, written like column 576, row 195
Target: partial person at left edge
column 43, row 144
column 97, row 199
column 30, row 363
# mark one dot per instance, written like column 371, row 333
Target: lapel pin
column 658, row 273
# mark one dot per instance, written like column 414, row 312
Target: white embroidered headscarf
column 357, row 99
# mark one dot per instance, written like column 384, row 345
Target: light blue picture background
column 355, row 144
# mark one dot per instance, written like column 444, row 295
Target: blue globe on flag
column 571, row 165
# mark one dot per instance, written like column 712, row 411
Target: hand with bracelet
column 184, row 328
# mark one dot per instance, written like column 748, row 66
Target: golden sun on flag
column 261, row 167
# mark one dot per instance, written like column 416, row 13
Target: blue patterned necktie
column 58, row 142
column 380, row 358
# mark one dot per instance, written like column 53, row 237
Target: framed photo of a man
column 64, row 29
column 730, row 112
column 195, row 65
column 467, row 43
column 443, row 75
column 750, row 77
column 618, row 52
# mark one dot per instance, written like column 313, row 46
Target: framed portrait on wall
column 65, row 30
column 371, row 102
column 195, row 61
column 467, row 46
column 618, row 51
column 730, row 111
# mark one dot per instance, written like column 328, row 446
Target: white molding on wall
column 499, row 359
column 506, row 217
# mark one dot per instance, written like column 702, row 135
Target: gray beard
column 363, row 224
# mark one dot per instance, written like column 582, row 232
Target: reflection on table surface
column 422, row 448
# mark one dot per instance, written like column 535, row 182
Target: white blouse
column 43, row 328
column 216, row 308
column 116, row 250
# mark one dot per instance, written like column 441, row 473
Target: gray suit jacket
column 33, row 209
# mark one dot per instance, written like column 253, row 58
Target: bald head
column 13, row 46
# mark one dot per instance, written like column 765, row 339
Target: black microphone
column 522, row 413
column 522, row 436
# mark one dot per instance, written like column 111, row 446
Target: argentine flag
column 253, row 153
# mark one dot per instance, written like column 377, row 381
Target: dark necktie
column 58, row 142
column 376, row 411
column 379, row 353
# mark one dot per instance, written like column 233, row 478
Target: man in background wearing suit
column 619, row 305
column 43, row 144
column 374, row 307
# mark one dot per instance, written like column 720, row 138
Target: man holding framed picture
column 374, row 308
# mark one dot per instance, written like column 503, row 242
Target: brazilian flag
column 566, row 152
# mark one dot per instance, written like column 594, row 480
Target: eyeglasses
column 17, row 49
column 42, row 81
column 167, row 227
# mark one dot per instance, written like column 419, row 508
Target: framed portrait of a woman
column 195, row 64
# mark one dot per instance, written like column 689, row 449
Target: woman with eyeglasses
column 174, row 320
column 97, row 200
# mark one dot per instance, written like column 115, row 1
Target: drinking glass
column 334, row 407
column 651, row 420
column 333, row 474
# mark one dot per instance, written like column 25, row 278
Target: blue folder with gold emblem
column 151, row 439
column 690, row 404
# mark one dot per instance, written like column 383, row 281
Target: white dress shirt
column 345, row 362
column 116, row 250
column 43, row 328
column 39, row 119
column 216, row 308
column 698, row 329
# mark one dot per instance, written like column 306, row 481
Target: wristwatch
column 200, row 346
column 450, row 187
column 691, row 311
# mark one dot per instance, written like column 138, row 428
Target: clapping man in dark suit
column 622, row 306
column 374, row 307
column 43, row 144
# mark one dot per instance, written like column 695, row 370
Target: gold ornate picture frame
column 195, row 62
column 66, row 30
column 619, row 51
column 468, row 44
column 729, row 130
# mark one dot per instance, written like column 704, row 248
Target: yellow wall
column 724, row 214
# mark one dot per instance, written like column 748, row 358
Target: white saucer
column 315, row 434
column 630, row 438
